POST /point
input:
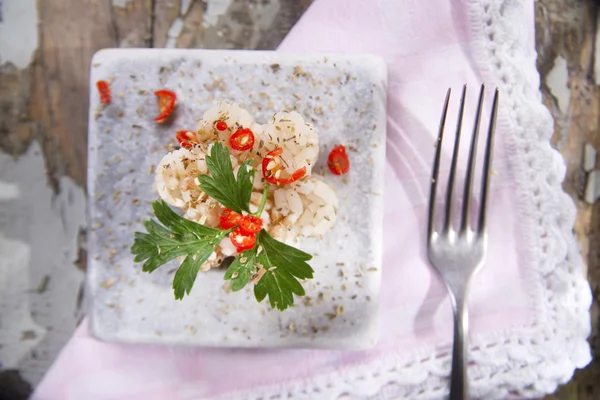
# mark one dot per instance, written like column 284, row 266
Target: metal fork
column 457, row 255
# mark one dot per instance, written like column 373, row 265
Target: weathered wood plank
column 48, row 101
column 131, row 26
column 567, row 29
column 165, row 12
column 192, row 26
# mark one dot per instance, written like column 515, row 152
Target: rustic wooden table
column 43, row 125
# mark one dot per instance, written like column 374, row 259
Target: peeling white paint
column 39, row 233
column 18, row 32
column 14, row 305
column 171, row 43
column 592, row 187
column 589, row 157
column 8, row 191
column 131, row 40
column 121, row 3
column 214, row 9
column 264, row 16
column 176, row 28
column 557, row 80
column 185, row 7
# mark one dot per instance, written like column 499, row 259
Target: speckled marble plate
column 342, row 95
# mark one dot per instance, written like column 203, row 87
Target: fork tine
column 487, row 168
column 450, row 189
column 471, row 167
column 436, row 167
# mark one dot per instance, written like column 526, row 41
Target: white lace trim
column 519, row 363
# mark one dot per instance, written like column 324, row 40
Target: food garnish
column 241, row 140
column 245, row 191
column 250, row 224
column 229, row 219
column 242, row 241
column 273, row 170
column 186, row 138
column 104, row 91
column 166, row 103
column 174, row 236
column 338, row 161
column 221, row 125
column 233, row 193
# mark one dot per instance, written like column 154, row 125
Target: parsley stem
column 263, row 201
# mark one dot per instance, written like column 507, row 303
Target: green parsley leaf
column 222, row 185
column 178, row 237
column 285, row 265
column 241, row 269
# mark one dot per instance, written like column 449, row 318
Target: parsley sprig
column 273, row 266
column 176, row 237
column 222, row 186
column 283, row 265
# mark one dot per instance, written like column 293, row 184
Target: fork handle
column 459, row 377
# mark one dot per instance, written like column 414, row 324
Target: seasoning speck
column 106, row 284
column 41, row 288
column 320, row 297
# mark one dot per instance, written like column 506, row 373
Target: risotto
column 283, row 151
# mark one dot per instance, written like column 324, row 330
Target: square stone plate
column 342, row 95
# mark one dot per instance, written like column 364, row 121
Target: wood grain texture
column 567, row 29
column 165, row 13
column 48, row 101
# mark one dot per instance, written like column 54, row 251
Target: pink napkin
column 528, row 306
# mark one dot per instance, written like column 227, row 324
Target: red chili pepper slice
column 166, row 104
column 186, row 138
column 242, row 241
column 270, row 175
column 104, row 91
column 242, row 139
column 221, row 125
column 251, row 224
column 337, row 161
column 229, row 219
